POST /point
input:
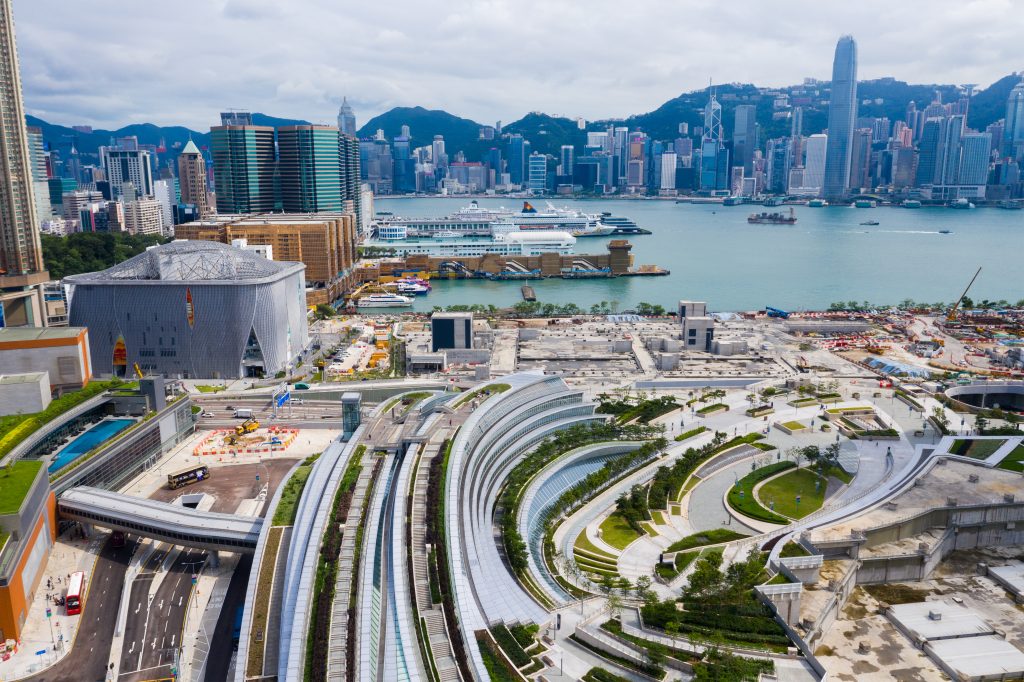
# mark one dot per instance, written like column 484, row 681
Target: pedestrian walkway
column 46, row 640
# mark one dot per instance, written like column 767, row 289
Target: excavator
column 248, row 426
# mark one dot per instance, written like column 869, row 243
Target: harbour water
column 716, row 256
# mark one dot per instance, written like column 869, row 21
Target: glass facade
column 842, row 116
column 310, row 168
column 243, row 168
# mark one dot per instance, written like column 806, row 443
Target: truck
column 236, row 628
column 243, row 413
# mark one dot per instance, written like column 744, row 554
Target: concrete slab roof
column 934, row 620
column 986, row 657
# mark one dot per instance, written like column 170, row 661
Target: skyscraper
column 714, row 157
column 860, row 159
column 929, row 162
column 537, row 180
column 842, row 114
column 518, row 151
column 21, row 257
column 948, row 164
column 814, row 168
column 566, row 159
column 309, row 167
column 243, row 168
column 192, row 179
column 346, row 119
column 126, row 167
column 1013, row 132
column 744, row 137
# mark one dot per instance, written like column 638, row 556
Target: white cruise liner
column 384, row 301
column 484, row 222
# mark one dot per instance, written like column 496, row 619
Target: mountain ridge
column 879, row 97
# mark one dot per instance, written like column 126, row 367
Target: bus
column 76, row 593
column 192, row 474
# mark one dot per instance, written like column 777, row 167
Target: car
column 207, row 414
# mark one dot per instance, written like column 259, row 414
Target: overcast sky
column 112, row 62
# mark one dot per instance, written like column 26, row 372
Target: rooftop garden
column 794, row 494
column 976, row 448
column 1015, row 460
column 741, row 495
column 288, row 505
column 15, row 481
column 639, row 409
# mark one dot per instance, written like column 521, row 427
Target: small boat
column 945, row 232
column 911, row 203
column 961, row 204
column 865, row 203
column 817, row 203
column 1011, row 205
column 870, row 222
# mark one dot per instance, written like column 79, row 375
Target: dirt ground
column 230, row 484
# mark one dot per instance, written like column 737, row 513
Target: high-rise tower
column 243, row 167
column 21, row 256
column 842, row 116
column 310, row 168
column 192, row 179
column 346, row 119
column 744, row 137
column 1013, row 131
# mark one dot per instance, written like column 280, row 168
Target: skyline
column 565, row 62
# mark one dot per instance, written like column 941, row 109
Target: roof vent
column 1008, row 497
column 973, row 478
column 950, row 501
column 934, row 615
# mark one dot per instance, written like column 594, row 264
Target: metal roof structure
column 161, row 521
column 978, row 658
column 934, row 620
column 190, row 261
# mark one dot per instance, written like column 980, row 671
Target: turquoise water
column 87, row 441
column 716, row 256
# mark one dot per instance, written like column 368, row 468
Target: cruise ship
column 473, row 220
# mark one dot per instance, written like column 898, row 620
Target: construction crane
column 775, row 312
column 951, row 316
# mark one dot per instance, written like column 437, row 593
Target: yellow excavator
column 248, row 426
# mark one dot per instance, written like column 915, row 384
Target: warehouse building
column 193, row 310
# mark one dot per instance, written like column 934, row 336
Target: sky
column 108, row 63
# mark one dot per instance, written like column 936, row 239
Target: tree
column 981, row 423
column 940, row 417
column 830, row 456
column 643, row 586
column 607, row 584
column 615, row 605
column 324, row 311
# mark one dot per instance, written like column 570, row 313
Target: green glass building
column 310, row 169
column 243, row 168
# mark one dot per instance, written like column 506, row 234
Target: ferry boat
column 776, row 218
column 408, row 288
column 911, row 203
column 1011, row 205
column 817, row 203
column 384, row 301
column 870, row 222
column 961, row 204
column 621, row 225
column 865, row 203
column 734, row 201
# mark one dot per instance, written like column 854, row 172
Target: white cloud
column 113, row 62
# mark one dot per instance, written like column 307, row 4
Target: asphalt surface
column 87, row 661
column 231, row 484
column 149, row 654
column 222, row 645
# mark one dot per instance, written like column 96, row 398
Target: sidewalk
column 41, row 634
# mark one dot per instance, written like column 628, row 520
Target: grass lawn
column 713, row 408
column 659, row 517
column 794, row 425
column 840, row 473
column 204, row 388
column 710, row 537
column 583, row 543
column 803, row 402
column 977, row 448
column 617, row 532
column 15, row 482
column 690, row 484
column 784, row 490
column 791, row 549
column 284, row 515
column 649, row 528
column 741, row 496
column 684, row 559
column 1015, row 460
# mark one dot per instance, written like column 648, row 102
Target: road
column 221, row 645
column 149, row 654
column 87, row 661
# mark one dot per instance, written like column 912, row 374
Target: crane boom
column 951, row 317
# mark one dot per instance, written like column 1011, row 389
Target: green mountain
column 62, row 137
column 459, row 133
